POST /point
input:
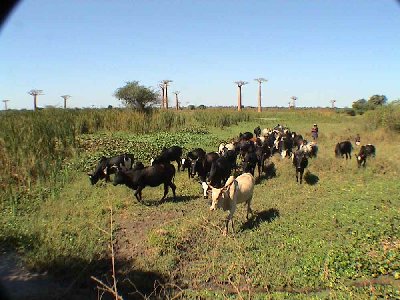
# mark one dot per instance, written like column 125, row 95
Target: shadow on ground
column 260, row 217
column 268, row 172
column 70, row 278
column 310, row 178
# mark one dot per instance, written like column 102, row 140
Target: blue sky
column 314, row 50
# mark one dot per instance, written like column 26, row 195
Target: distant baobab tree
column 65, row 97
column 5, row 104
column 293, row 102
column 35, row 93
column 259, row 80
column 176, row 100
column 165, row 83
column 161, row 86
column 333, row 103
column 240, row 84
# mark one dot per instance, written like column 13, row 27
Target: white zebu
column 239, row 190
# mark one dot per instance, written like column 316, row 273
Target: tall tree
column 360, row 104
column 377, row 100
column 137, row 96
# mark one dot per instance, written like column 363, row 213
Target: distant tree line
column 361, row 106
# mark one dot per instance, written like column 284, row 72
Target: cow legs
column 249, row 210
column 179, row 162
column 299, row 173
column 138, row 193
column 205, row 187
column 165, row 191
column 173, row 188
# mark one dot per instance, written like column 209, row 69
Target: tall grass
column 34, row 145
column 387, row 117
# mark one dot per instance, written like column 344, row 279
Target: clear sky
column 314, row 50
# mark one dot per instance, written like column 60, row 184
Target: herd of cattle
column 214, row 169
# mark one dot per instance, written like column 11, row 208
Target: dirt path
column 133, row 230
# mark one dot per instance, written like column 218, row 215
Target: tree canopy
column 360, row 104
column 373, row 102
column 137, row 96
column 377, row 100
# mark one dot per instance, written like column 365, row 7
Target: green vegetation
column 361, row 106
column 335, row 237
column 134, row 95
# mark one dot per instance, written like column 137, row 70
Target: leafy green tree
column 377, row 100
column 137, row 96
column 360, row 104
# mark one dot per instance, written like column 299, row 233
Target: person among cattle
column 314, row 132
column 358, row 140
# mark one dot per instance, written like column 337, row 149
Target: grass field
column 334, row 237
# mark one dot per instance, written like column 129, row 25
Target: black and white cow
column 365, row 151
column 105, row 164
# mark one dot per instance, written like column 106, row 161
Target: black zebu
column 343, row 148
column 105, row 166
column 370, row 149
column 203, row 168
column 257, row 131
column 220, row 171
column 300, row 162
column 168, row 155
column 249, row 163
column 138, row 178
column 192, row 156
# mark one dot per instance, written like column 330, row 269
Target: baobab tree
column 259, row 80
column 65, row 97
column 240, row 84
column 5, row 103
column 35, row 93
column 165, row 83
column 161, row 86
column 176, row 99
column 293, row 102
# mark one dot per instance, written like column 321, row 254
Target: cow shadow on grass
column 76, row 278
column 260, row 217
column 310, row 178
column 268, row 172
